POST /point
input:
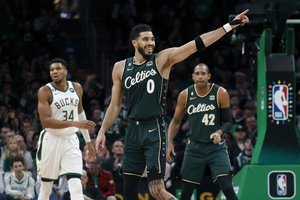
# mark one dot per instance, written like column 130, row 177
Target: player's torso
column 145, row 90
column 203, row 113
column 64, row 105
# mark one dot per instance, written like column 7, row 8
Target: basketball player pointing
column 62, row 115
column 142, row 79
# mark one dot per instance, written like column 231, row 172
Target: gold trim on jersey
column 212, row 86
column 191, row 181
column 215, row 178
column 132, row 174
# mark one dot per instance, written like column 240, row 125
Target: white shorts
column 58, row 155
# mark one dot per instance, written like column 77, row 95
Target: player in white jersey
column 62, row 115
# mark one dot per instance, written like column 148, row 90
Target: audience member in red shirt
column 100, row 185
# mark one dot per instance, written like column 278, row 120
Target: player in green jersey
column 209, row 116
column 143, row 80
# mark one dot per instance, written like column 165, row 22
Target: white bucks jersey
column 64, row 107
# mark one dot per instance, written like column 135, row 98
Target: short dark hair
column 202, row 65
column 58, row 60
column 136, row 30
column 17, row 158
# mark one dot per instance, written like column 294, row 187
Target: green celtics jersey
column 144, row 89
column 203, row 113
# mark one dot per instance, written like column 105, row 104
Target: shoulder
column 184, row 92
column 77, row 85
column 182, row 97
column 118, row 69
column 120, row 65
column 7, row 175
column 44, row 90
column 221, row 90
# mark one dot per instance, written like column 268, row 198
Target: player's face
column 58, row 72
column 145, row 44
column 201, row 76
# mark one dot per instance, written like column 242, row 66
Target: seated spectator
column 12, row 149
column 18, row 183
column 100, row 185
column 244, row 158
column 237, row 145
column 113, row 163
column 5, row 133
column 251, row 125
column 26, row 154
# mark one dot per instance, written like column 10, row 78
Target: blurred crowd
column 30, row 35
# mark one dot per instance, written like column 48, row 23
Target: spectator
column 100, row 185
column 251, row 126
column 26, row 154
column 244, row 158
column 12, row 149
column 113, row 163
column 5, row 132
column 18, row 183
column 237, row 145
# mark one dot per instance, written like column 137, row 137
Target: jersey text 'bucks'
column 64, row 107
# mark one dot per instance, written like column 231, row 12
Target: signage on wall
column 281, row 184
column 280, row 102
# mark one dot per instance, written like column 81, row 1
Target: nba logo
column 280, row 102
column 281, row 184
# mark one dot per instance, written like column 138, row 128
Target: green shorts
column 198, row 155
column 145, row 148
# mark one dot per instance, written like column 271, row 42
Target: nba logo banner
column 281, row 184
column 280, row 102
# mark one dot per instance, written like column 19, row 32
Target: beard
column 142, row 52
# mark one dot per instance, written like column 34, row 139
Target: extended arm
column 171, row 56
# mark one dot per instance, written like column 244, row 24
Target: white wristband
column 227, row 27
column 85, row 133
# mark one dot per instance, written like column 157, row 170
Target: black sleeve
column 226, row 119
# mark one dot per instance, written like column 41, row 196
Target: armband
column 226, row 120
column 199, row 43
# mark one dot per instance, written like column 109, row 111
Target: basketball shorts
column 58, row 155
column 145, row 147
column 198, row 155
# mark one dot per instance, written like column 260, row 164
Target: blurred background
column 91, row 35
